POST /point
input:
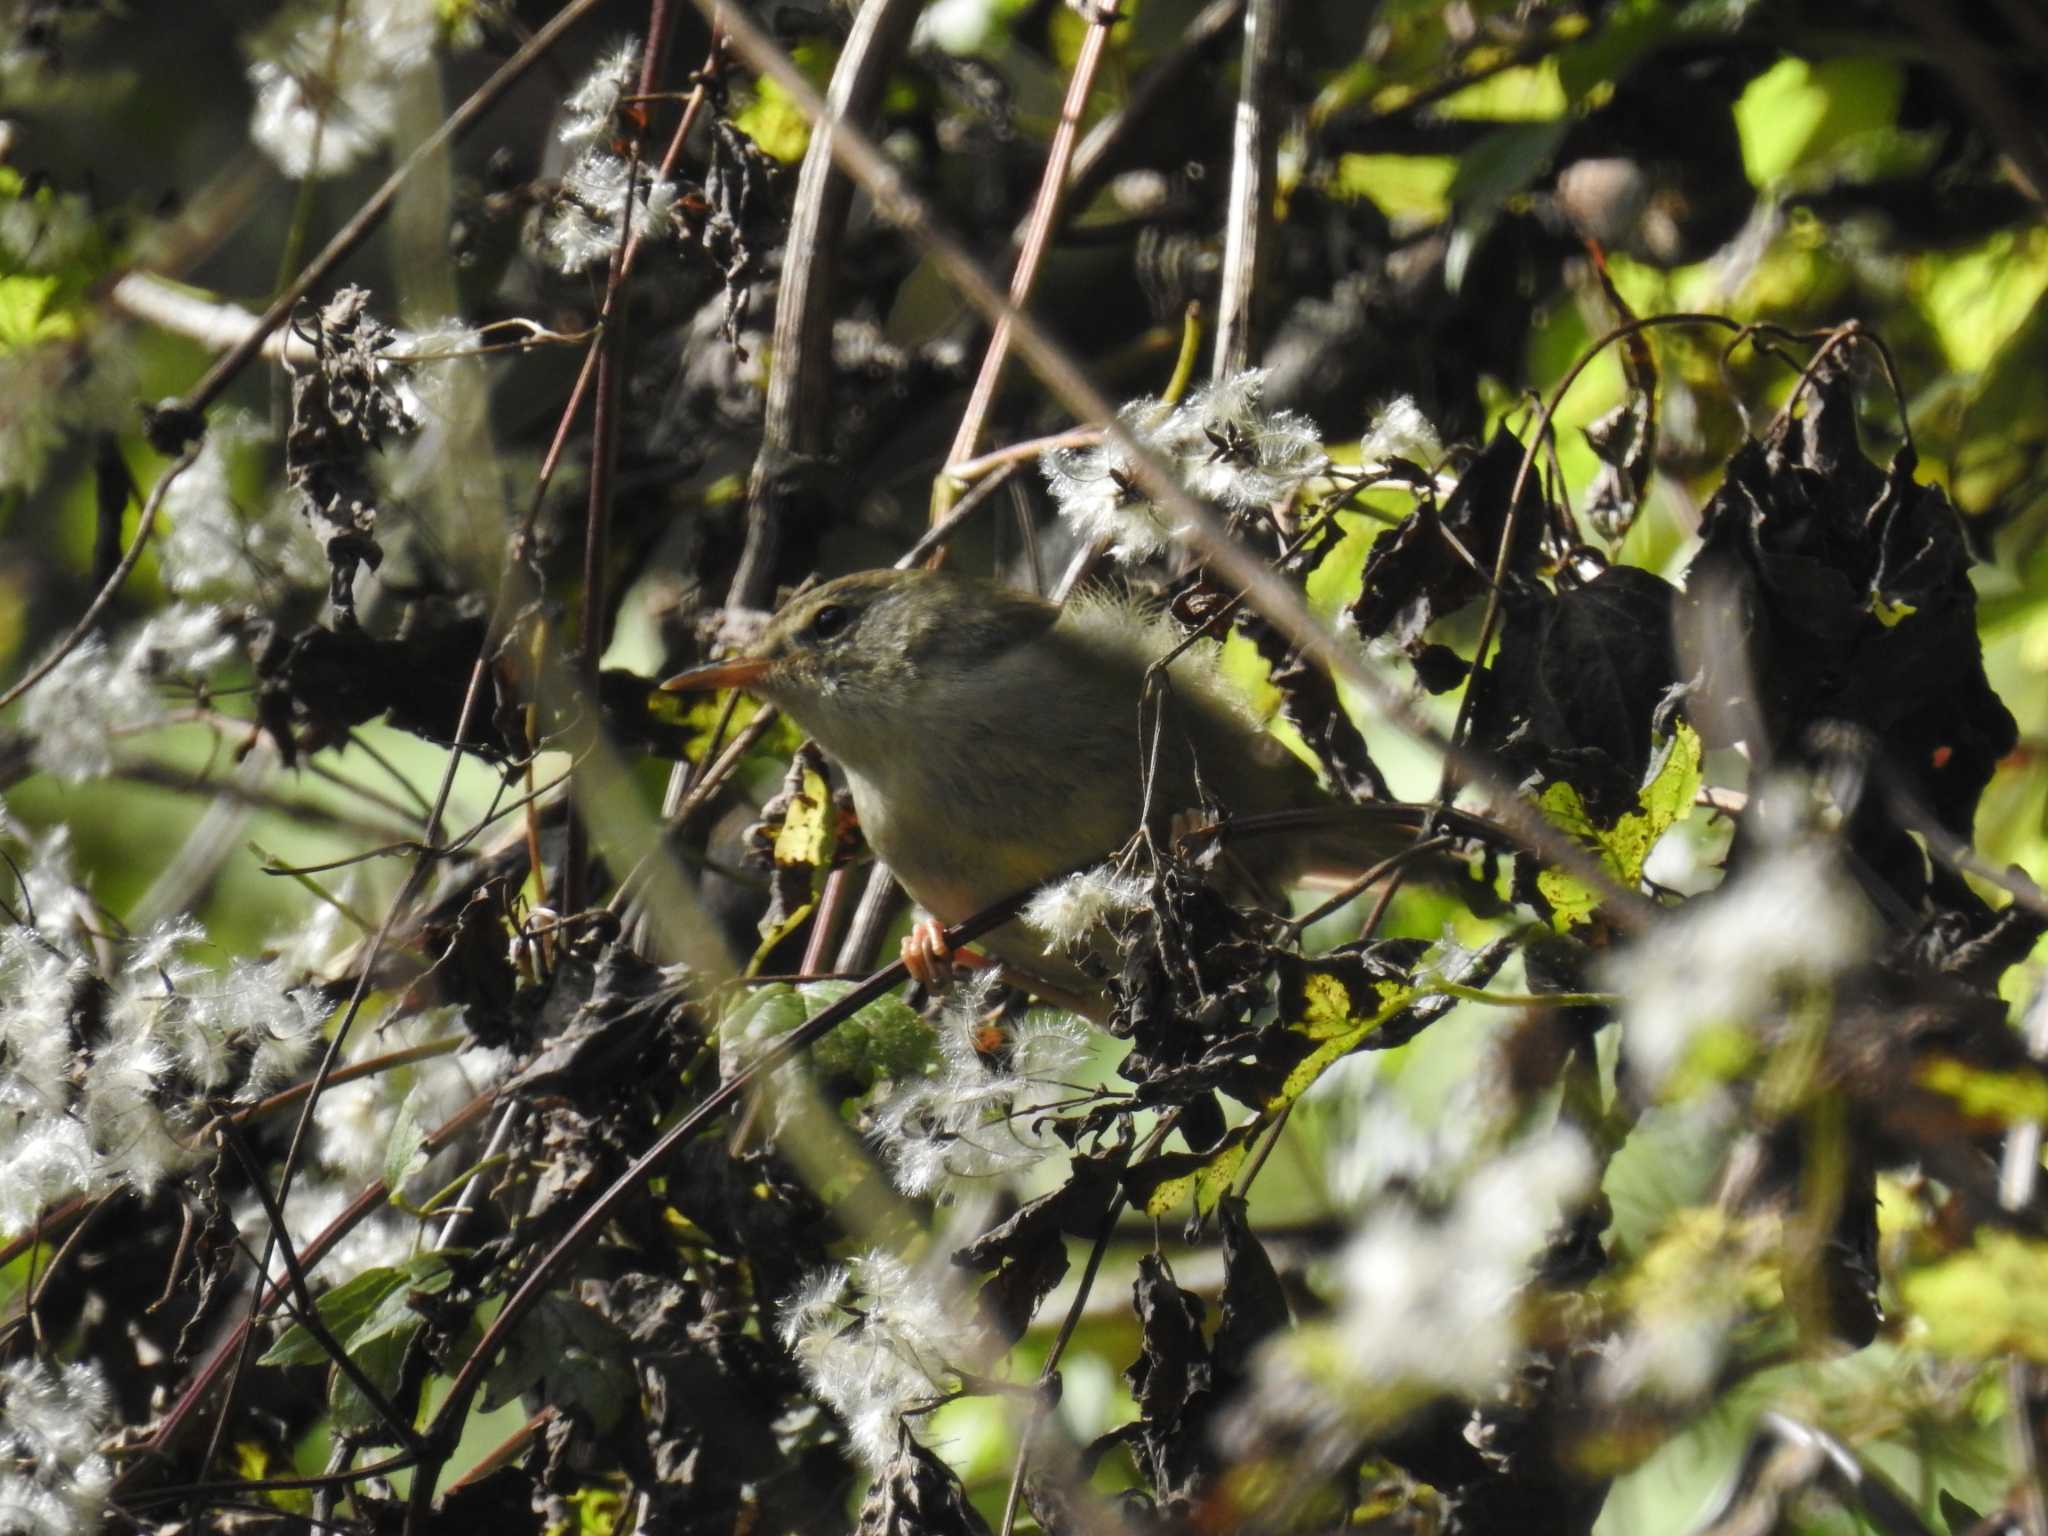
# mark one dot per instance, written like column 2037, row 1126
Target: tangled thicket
column 426, row 1048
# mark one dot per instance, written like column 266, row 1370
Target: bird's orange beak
column 740, row 672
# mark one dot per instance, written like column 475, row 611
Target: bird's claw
column 932, row 965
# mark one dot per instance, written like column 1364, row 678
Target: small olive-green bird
column 994, row 740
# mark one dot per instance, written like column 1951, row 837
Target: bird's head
column 861, row 661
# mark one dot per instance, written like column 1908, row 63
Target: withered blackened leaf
column 1309, row 703
column 1308, row 694
column 733, row 187
column 1980, row 958
column 471, row 965
column 1847, row 588
column 1576, row 683
column 1026, row 1256
column 1172, row 1384
column 1254, row 1305
column 1415, row 575
column 333, row 679
column 1439, row 668
column 632, row 1020
column 343, row 407
column 918, row 1495
column 1201, row 1121
column 1206, row 971
column 1625, row 439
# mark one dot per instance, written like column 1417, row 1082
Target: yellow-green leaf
column 25, row 314
column 2007, row 1097
column 1623, row 848
column 1989, row 1301
column 1416, row 187
column 1799, row 112
column 772, row 119
column 807, row 834
column 1207, row 1178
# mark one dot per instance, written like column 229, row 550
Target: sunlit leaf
column 26, row 313
column 1801, row 110
column 2009, row 1098
column 1416, row 187
column 1991, row 1300
column 808, row 833
column 1977, row 299
column 1625, row 847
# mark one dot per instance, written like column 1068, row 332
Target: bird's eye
column 829, row 621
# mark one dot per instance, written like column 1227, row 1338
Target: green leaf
column 577, row 1355
column 1989, row 1301
column 772, row 119
column 395, row 1312
column 1531, row 93
column 1623, row 848
column 1413, row 187
column 382, row 1360
column 1800, row 112
column 1978, row 299
column 807, row 835
column 886, row 1039
column 357, row 1308
column 1161, row 1185
column 25, row 313
column 2008, row 1098
column 700, row 713
column 1340, row 1016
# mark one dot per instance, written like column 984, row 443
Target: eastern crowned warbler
column 993, row 740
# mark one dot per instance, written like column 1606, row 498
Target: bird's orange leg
column 930, row 963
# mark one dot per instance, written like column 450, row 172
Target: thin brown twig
column 948, row 525
column 170, row 1427
column 396, row 1423
column 1031, row 448
column 551, row 460
column 162, row 776
column 1076, row 1308
column 1038, row 231
column 1097, row 153
column 864, row 933
column 699, row 794
column 1365, row 882
column 39, row 1284
column 604, row 447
